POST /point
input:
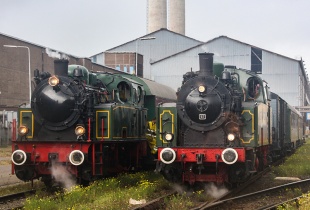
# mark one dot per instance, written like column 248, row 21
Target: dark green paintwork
column 218, row 68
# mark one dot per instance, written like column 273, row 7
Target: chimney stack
column 61, row 67
column 157, row 15
column 206, row 64
column 176, row 16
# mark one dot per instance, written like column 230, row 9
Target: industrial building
column 19, row 59
column 169, row 55
column 162, row 55
column 165, row 54
column 153, row 47
column 285, row 76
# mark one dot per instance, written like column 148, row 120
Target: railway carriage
column 287, row 127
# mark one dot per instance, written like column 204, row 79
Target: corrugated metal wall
column 170, row 71
column 230, row 52
column 282, row 74
column 165, row 44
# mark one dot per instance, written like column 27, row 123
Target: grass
column 112, row 193
column 5, row 151
column 180, row 202
column 20, row 188
column 296, row 165
column 302, row 203
column 5, row 162
column 115, row 193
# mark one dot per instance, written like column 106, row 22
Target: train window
column 124, row 91
column 266, row 91
column 135, row 96
column 139, row 94
column 103, row 97
column 254, row 88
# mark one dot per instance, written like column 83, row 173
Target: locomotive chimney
column 61, row 67
column 206, row 64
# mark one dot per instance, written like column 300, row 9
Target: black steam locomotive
column 220, row 129
column 85, row 124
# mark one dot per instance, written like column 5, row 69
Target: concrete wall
column 176, row 16
column 156, row 15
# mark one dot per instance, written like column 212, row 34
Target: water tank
column 176, row 17
column 156, row 15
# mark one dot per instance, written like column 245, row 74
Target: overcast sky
column 86, row 27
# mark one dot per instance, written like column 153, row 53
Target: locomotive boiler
column 90, row 124
column 219, row 130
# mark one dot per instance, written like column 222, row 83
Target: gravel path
column 6, row 177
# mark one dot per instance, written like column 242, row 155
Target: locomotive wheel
column 84, row 182
column 172, row 172
column 24, row 173
column 48, row 181
column 259, row 163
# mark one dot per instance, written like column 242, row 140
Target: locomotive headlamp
column 201, row 89
column 23, row 130
column 167, row 155
column 19, row 157
column 169, row 137
column 53, row 81
column 76, row 157
column 229, row 156
column 79, row 130
column 231, row 137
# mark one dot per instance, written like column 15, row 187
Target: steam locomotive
column 223, row 128
column 89, row 124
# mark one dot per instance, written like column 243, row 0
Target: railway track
column 275, row 205
column 266, row 199
column 229, row 194
column 158, row 203
column 15, row 200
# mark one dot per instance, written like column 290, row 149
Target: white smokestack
column 156, row 15
column 177, row 16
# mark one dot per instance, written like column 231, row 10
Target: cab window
column 124, row 91
column 139, row 94
column 254, row 88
